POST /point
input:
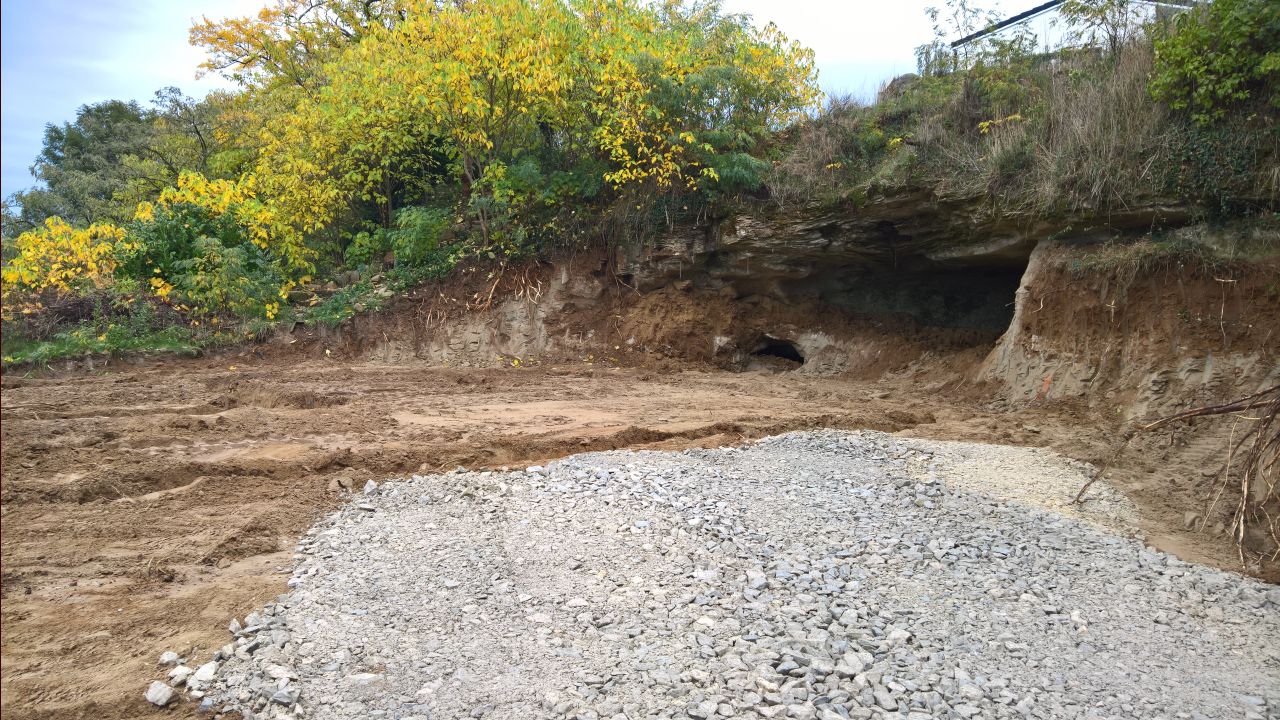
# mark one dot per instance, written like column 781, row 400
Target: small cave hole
column 771, row 347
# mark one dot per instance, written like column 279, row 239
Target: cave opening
column 771, row 347
column 974, row 302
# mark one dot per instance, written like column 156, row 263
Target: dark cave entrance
column 976, row 300
column 962, row 305
column 771, row 347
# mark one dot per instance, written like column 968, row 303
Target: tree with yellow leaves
column 684, row 95
column 519, row 95
column 289, row 41
column 481, row 79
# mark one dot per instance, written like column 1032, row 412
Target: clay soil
column 145, row 506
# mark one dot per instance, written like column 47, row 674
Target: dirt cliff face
column 1043, row 311
column 1032, row 314
column 1138, row 341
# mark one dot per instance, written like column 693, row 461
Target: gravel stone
column 810, row 575
column 178, row 675
column 159, row 694
column 204, row 674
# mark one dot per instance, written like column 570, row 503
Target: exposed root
column 1252, row 461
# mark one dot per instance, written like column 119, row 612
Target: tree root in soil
column 1252, row 460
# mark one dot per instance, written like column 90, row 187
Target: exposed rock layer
column 896, row 282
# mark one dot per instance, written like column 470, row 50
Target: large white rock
column 179, row 675
column 159, row 694
column 204, row 674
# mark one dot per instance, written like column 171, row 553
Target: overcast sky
column 60, row 54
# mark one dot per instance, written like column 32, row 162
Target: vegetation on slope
column 1172, row 110
column 382, row 143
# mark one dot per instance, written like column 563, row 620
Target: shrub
column 417, row 233
column 238, row 279
column 822, row 156
column 88, row 338
column 121, row 316
column 213, row 246
column 62, row 258
column 1213, row 167
column 411, row 241
column 1220, row 54
column 366, row 246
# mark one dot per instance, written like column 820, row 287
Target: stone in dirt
column 205, row 673
column 159, row 694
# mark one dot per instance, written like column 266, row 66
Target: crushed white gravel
column 815, row 575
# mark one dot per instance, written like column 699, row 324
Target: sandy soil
column 145, row 506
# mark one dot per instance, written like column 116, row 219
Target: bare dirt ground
column 144, row 506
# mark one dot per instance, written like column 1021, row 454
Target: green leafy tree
column 184, row 135
column 1109, row 23
column 952, row 21
column 82, row 165
column 117, row 154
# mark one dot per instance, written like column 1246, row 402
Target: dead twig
column 1079, row 499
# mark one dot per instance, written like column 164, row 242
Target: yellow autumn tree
column 668, row 95
column 278, row 57
column 289, row 42
column 480, row 79
column 681, row 90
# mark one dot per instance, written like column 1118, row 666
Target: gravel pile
column 816, row 575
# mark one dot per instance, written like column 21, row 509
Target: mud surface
column 145, row 506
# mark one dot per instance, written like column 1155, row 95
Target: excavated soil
column 144, row 506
